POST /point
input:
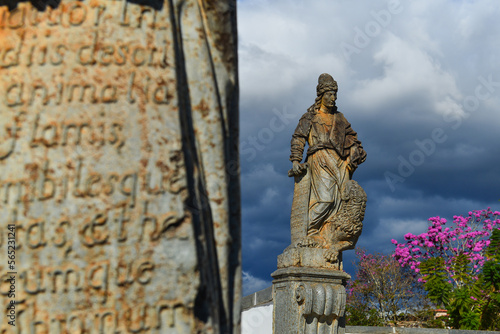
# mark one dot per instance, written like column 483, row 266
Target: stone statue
column 328, row 207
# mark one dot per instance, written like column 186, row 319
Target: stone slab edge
column 258, row 298
column 333, row 276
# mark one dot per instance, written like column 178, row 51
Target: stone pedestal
column 307, row 257
column 309, row 300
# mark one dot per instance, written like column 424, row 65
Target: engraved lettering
column 91, row 133
column 144, row 219
column 65, row 278
column 77, row 13
column 14, row 99
column 54, row 17
column 77, row 192
column 79, row 328
column 164, row 307
column 36, row 324
column 78, row 181
column 14, row 129
column 59, row 55
column 106, row 55
column 136, row 53
column 66, row 129
column 124, row 278
column 129, row 188
column 109, row 94
column 47, row 185
column 160, row 95
column 122, row 235
column 139, row 318
column 142, row 15
column 82, row 52
column 93, row 179
column 10, row 55
column 144, row 272
column 89, row 181
column 97, row 276
column 61, row 242
column 90, row 233
column 35, row 235
column 123, row 17
column 34, row 94
column 109, row 187
column 103, row 324
column 59, row 322
column 34, row 133
column 99, row 10
column 16, row 18
column 122, row 58
column 82, row 88
column 32, row 284
column 49, row 135
column 156, row 190
column 130, row 97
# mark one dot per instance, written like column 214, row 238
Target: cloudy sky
column 420, row 83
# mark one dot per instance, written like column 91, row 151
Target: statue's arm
column 299, row 138
column 357, row 155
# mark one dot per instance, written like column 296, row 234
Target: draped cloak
column 332, row 144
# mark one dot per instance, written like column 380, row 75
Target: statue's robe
column 333, row 144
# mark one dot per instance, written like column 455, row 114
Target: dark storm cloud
column 422, row 90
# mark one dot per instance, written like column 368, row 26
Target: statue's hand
column 296, row 167
column 351, row 167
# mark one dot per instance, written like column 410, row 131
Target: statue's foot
column 311, row 242
column 331, row 255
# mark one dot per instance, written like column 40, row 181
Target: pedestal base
column 307, row 257
column 309, row 300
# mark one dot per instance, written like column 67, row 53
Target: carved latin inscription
column 92, row 170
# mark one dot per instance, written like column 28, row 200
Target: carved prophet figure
column 335, row 203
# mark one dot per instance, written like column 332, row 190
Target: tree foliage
column 459, row 266
column 382, row 291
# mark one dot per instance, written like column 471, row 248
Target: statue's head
column 326, row 83
column 326, row 91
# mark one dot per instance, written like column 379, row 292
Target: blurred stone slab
column 119, row 166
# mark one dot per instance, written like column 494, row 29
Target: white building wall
column 257, row 320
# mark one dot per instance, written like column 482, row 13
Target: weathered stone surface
column 119, row 166
column 300, row 205
column 308, row 300
column 306, row 257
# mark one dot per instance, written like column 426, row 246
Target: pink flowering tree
column 458, row 265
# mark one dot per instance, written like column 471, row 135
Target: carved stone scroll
column 300, row 205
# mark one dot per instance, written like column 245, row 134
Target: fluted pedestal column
column 309, row 300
